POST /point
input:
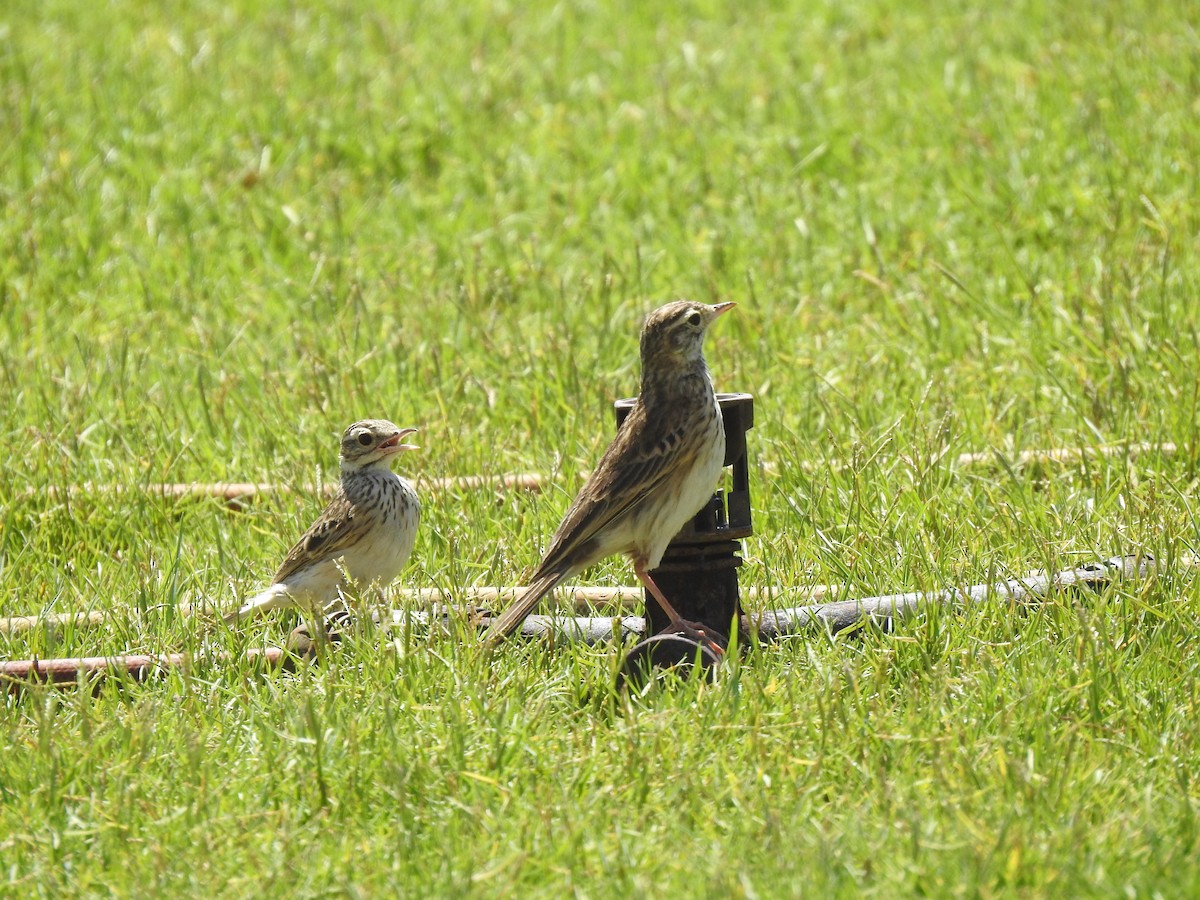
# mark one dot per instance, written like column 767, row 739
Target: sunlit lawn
column 227, row 230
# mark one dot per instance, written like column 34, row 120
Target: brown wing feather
column 327, row 538
column 630, row 470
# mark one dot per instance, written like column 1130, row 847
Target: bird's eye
column 694, row 320
column 364, row 439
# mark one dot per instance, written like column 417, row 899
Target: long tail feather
column 512, row 617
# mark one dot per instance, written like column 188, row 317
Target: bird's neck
column 366, row 481
column 662, row 388
column 371, row 470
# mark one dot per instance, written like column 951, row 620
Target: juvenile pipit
column 657, row 473
column 366, row 532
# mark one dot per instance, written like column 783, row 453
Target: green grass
column 230, row 229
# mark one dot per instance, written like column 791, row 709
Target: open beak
column 394, row 445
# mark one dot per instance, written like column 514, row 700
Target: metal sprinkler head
column 698, row 573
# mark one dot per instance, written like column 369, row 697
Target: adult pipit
column 657, row 473
column 365, row 535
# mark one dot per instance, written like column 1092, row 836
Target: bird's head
column 371, row 442
column 675, row 333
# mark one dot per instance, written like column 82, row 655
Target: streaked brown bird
column 658, row 472
column 365, row 534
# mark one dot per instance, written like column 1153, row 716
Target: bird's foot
column 335, row 624
column 698, row 632
column 307, row 640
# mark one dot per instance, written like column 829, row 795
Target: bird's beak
column 725, row 307
column 393, row 444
